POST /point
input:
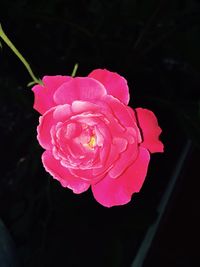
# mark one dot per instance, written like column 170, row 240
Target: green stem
column 19, row 55
column 74, row 70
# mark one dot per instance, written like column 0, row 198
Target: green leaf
column 74, row 70
column 34, row 82
column 31, row 83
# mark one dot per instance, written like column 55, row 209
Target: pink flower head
column 92, row 138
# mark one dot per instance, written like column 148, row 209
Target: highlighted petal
column 82, row 106
column 62, row 174
column 150, row 130
column 43, row 100
column 112, row 192
column 115, row 84
column 79, row 89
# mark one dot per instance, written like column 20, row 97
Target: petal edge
column 115, row 84
column 61, row 174
column 150, row 130
column 113, row 192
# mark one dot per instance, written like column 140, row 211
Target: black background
column 154, row 44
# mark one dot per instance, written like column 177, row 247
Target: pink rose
column 92, row 138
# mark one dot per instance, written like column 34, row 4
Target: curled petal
column 79, row 89
column 115, row 84
column 150, row 130
column 50, row 118
column 62, row 174
column 44, row 129
column 112, row 192
column 43, row 100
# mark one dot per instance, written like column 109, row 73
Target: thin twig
column 19, row 55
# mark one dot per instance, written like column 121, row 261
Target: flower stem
column 19, row 55
column 74, row 70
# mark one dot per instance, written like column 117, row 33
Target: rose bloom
column 92, row 138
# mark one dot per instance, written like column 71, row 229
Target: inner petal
column 76, row 144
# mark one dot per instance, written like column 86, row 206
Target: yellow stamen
column 92, row 142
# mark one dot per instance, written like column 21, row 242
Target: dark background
column 154, row 44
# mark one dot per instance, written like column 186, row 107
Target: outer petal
column 50, row 118
column 150, row 130
column 112, row 192
column 44, row 93
column 115, row 84
column 79, row 89
column 120, row 111
column 62, row 174
column 125, row 160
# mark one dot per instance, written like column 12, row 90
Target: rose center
column 92, row 142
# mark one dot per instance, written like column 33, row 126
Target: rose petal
column 150, row 130
column 86, row 175
column 121, row 143
column 124, row 161
column 62, row 174
column 50, row 118
column 120, row 111
column 82, row 106
column 111, row 192
column 111, row 157
column 115, row 84
column 62, row 113
column 44, row 93
column 87, row 118
column 79, row 89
